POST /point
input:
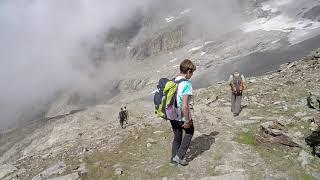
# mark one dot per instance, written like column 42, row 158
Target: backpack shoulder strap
column 181, row 80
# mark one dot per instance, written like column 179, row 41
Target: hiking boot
column 182, row 162
column 173, row 163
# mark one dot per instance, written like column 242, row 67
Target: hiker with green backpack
column 172, row 101
column 237, row 83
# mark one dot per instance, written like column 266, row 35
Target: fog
column 44, row 45
column 42, row 51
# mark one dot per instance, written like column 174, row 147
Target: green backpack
column 165, row 99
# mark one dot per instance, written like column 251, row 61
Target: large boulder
column 273, row 132
column 313, row 140
column 313, row 101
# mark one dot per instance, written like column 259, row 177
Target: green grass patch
column 248, row 138
column 306, row 177
column 284, row 159
column 136, row 159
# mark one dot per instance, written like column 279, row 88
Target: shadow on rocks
column 200, row 144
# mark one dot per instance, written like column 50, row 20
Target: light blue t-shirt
column 184, row 88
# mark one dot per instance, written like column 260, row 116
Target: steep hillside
column 92, row 145
column 78, row 136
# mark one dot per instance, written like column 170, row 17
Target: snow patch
column 203, row 53
column 176, row 65
column 276, row 41
column 180, row 15
column 289, row 19
column 208, row 42
column 274, row 6
column 195, row 48
column 297, row 28
column 169, row 19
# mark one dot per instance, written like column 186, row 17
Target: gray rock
column 73, row 176
column 158, row 132
column 83, row 171
column 313, row 140
column 162, row 40
column 211, row 100
column 313, row 126
column 149, row 145
column 61, row 107
column 285, row 108
column 313, row 13
column 256, row 118
column 300, row 114
column 226, row 169
column 6, row 169
column 277, row 103
column 116, row 165
column 298, row 134
column 308, row 119
column 245, row 122
column 54, row 170
column 15, row 174
column 151, row 141
column 231, row 176
column 118, row 171
column 313, row 101
column 304, row 158
column 253, row 80
column 272, row 132
column 212, row 121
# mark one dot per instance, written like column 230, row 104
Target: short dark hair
column 187, row 65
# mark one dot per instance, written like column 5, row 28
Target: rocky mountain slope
column 79, row 140
column 91, row 145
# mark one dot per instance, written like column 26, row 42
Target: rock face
column 56, row 169
column 313, row 13
column 314, row 141
column 6, row 169
column 163, row 40
column 63, row 106
column 313, row 101
column 272, row 132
